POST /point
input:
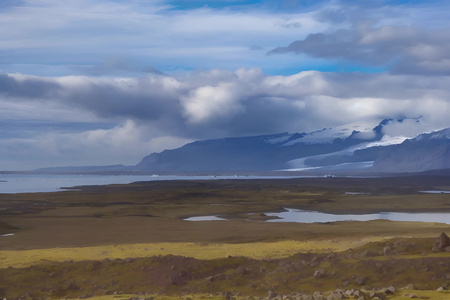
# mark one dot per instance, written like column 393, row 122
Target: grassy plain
column 132, row 239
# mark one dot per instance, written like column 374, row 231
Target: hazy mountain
column 353, row 147
column 261, row 153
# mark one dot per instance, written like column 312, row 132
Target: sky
column 100, row 82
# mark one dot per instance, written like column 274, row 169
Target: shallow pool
column 435, row 192
column 302, row 216
column 205, row 218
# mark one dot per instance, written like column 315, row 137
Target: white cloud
column 207, row 102
column 89, row 33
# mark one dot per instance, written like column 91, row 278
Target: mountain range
column 350, row 148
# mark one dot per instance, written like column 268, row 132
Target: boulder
column 271, row 295
column 390, row 290
column 319, row 273
column 441, row 243
column 361, row 280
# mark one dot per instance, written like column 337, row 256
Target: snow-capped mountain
column 322, row 149
column 425, row 152
column 429, row 151
column 386, row 146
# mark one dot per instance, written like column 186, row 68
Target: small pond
column 8, row 234
column 205, row 218
column 302, row 216
column 435, row 192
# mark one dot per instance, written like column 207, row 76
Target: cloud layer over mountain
column 104, row 82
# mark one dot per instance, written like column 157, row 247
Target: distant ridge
column 353, row 148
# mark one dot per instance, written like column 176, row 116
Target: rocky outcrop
column 441, row 243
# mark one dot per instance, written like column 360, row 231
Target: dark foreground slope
column 363, row 273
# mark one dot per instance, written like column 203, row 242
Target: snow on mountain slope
column 328, row 135
column 368, row 135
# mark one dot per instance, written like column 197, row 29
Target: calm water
column 302, row 216
column 205, row 218
column 12, row 183
column 435, row 192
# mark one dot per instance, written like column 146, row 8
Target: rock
column 349, row 292
column 335, row 296
column 128, row 260
column 409, row 287
column 447, row 249
column 227, row 295
column 440, row 289
column 390, row 290
column 241, row 270
column 314, row 262
column 441, row 243
column 319, row 273
column 388, row 250
column 358, row 294
column 410, row 296
column 369, row 253
column 270, row 295
column 361, row 280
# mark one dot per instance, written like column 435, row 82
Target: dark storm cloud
column 29, row 87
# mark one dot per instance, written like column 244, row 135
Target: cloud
column 401, row 49
column 73, row 119
column 400, row 42
column 198, row 103
column 93, row 37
